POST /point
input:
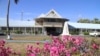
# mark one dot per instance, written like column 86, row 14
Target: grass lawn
column 35, row 38
column 21, row 47
column 96, row 39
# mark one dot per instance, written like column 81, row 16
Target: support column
column 31, row 30
column 0, row 28
column 44, row 31
column 34, row 30
column 13, row 30
column 25, row 30
column 81, row 32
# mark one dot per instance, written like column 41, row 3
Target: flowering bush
column 6, row 51
column 65, row 46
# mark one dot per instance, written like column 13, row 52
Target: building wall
column 24, row 30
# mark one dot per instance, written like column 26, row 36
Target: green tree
column 95, row 20
column 84, row 21
column 8, row 7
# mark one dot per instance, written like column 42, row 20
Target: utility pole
column 22, row 15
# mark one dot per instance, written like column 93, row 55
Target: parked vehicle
column 95, row 33
column 2, row 33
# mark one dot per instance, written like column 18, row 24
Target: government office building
column 50, row 23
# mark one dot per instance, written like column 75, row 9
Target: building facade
column 50, row 23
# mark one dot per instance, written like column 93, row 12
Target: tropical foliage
column 95, row 20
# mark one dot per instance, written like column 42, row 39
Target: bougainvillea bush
column 6, row 51
column 59, row 46
column 65, row 46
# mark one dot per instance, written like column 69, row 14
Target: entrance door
column 52, row 31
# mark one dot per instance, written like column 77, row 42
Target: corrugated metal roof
column 84, row 25
column 18, row 23
column 51, row 14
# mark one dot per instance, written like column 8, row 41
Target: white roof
column 18, row 23
column 84, row 25
column 42, row 15
column 51, row 14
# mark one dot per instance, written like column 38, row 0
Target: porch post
column 31, row 30
column 0, row 28
column 13, row 29
column 25, row 30
column 44, row 31
column 34, row 30
column 81, row 31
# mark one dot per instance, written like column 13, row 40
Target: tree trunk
column 8, row 30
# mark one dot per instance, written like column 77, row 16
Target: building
column 50, row 23
column 74, row 28
column 47, row 24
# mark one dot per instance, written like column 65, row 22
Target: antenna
column 22, row 15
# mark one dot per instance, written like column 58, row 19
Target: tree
column 95, row 20
column 84, row 21
column 8, row 7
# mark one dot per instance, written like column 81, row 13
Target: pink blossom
column 37, row 43
column 31, row 54
column 68, row 53
column 74, row 49
column 95, row 46
column 54, row 51
column 36, row 50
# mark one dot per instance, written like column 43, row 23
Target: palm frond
column 16, row 1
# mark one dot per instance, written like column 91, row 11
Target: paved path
column 26, row 41
column 21, row 41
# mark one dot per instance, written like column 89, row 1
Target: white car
column 95, row 33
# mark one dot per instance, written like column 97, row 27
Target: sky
column 70, row 9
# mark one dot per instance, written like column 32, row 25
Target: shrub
column 6, row 51
column 68, row 46
column 74, row 33
column 18, row 32
column 86, row 33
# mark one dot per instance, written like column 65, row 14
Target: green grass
column 35, row 38
column 21, row 47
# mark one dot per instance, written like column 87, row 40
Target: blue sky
column 71, row 9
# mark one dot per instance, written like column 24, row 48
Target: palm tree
column 8, row 30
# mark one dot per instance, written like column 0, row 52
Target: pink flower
column 37, row 43
column 95, row 46
column 29, row 47
column 47, row 47
column 36, row 50
column 61, row 48
column 2, row 43
column 31, row 54
column 74, row 49
column 68, row 53
column 54, row 51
